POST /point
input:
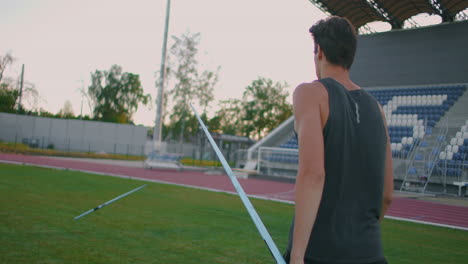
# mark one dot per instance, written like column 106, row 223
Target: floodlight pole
column 159, row 99
column 21, row 88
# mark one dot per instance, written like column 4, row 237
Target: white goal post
column 270, row 158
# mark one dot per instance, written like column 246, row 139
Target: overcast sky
column 62, row 41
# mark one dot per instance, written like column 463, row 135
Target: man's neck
column 340, row 75
column 336, row 72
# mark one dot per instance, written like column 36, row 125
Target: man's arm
column 309, row 121
column 388, row 180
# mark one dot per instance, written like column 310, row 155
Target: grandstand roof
column 358, row 12
column 453, row 7
column 361, row 12
column 401, row 10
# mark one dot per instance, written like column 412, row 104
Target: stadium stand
column 453, row 159
column 411, row 113
column 419, row 77
column 419, row 147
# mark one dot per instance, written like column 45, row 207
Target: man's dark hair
column 337, row 38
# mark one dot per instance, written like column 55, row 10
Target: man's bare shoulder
column 313, row 92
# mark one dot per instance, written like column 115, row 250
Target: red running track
column 410, row 209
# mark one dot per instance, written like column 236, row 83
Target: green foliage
column 11, row 147
column 203, row 163
column 44, row 113
column 214, row 124
column 8, row 94
column 265, row 107
column 262, row 108
column 8, row 98
column 66, row 111
column 116, row 95
column 230, row 116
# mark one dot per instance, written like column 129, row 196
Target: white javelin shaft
column 248, row 205
column 108, row 202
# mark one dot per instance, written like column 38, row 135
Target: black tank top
column 347, row 228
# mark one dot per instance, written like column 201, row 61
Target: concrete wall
column 430, row 55
column 74, row 135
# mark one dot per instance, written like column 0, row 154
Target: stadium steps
column 419, row 172
column 422, row 164
column 456, row 115
column 399, row 168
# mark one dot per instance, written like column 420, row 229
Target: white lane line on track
column 218, row 191
column 425, row 222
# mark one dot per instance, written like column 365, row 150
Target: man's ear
column 319, row 52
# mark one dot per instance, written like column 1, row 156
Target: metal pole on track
column 159, row 99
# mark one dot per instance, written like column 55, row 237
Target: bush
column 203, row 163
column 26, row 150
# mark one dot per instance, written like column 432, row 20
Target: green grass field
column 163, row 224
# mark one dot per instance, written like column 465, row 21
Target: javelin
column 108, row 202
column 245, row 200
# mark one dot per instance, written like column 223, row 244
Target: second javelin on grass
column 245, row 200
column 108, row 202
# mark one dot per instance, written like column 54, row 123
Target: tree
column 116, row 95
column 8, row 98
column 263, row 107
column 8, row 94
column 86, row 97
column 5, row 61
column 44, row 113
column 67, row 110
column 30, row 98
column 191, row 85
column 228, row 117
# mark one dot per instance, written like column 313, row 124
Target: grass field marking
column 109, row 202
column 425, row 222
column 12, row 162
column 280, row 193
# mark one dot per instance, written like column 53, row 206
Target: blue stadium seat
column 411, row 113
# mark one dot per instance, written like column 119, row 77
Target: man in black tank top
column 344, row 183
